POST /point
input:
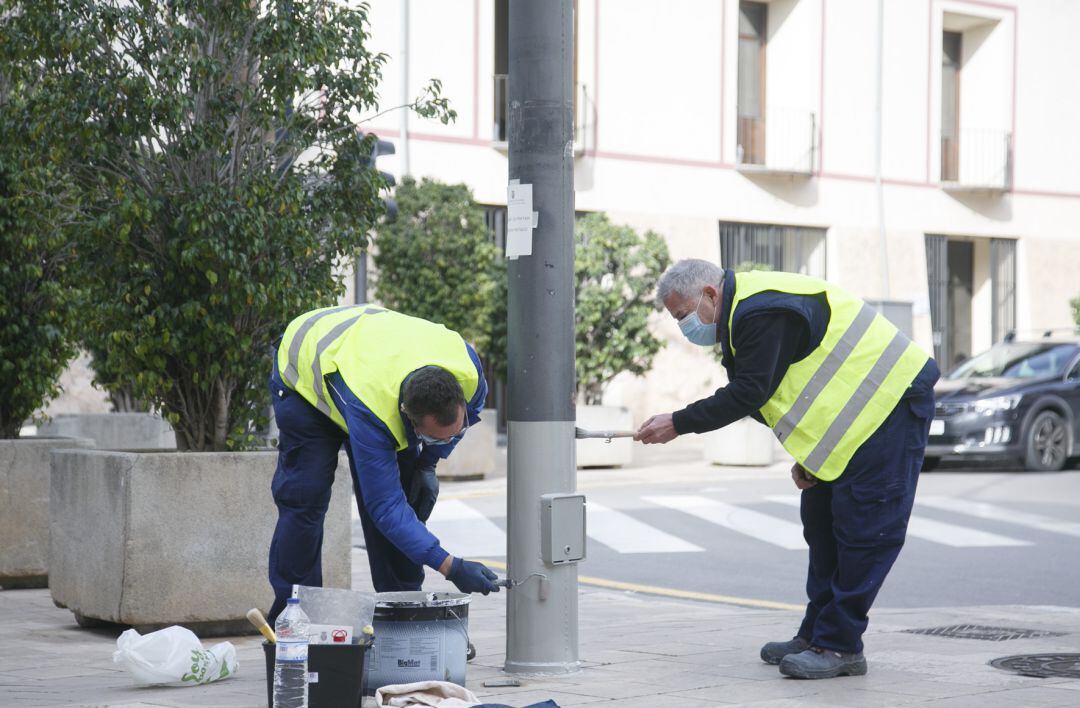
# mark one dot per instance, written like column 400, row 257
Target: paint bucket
column 419, row 636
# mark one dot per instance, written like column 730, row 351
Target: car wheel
column 929, row 464
column 1047, row 443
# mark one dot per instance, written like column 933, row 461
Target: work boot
column 774, row 652
column 818, row 663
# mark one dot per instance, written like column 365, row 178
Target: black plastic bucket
column 336, row 673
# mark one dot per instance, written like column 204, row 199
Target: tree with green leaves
column 39, row 295
column 437, row 261
column 616, row 271
column 225, row 182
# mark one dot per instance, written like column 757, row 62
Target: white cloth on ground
column 431, row 694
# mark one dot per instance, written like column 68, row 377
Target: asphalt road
column 978, row 536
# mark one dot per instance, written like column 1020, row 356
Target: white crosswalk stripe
column 762, row 527
column 464, row 531
column 993, row 512
column 625, row 534
column 938, row 531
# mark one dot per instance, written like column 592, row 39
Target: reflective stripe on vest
column 829, row 403
column 373, row 349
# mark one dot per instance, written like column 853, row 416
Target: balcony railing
column 783, row 141
column 584, row 115
column 976, row 160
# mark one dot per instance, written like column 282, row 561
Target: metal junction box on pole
column 562, row 528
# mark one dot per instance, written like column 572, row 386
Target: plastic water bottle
column 290, row 657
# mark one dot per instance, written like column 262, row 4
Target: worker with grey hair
column 849, row 396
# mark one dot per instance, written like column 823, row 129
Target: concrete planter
column 745, row 442
column 24, row 509
column 151, row 539
column 474, row 456
column 600, row 453
column 115, row 431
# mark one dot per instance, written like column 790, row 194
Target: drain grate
column 978, row 631
column 1041, row 665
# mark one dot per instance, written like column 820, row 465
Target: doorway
column 972, row 288
column 961, row 264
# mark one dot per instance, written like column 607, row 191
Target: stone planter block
column 115, row 431
column 745, row 442
column 600, row 453
column 474, row 456
column 24, row 509
column 151, row 539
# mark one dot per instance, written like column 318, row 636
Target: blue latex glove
column 423, row 491
column 470, row 576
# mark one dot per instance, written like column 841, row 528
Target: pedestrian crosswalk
column 625, row 534
column 748, row 522
column 475, row 526
column 939, row 531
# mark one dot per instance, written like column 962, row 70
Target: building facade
column 926, row 162
column 925, row 156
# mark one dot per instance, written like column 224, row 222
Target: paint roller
column 582, row 434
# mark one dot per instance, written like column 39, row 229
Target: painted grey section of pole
column 541, row 634
column 542, row 629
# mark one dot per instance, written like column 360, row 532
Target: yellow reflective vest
column 373, row 349
column 828, row 404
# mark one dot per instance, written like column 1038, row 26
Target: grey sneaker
column 818, row 663
column 774, row 652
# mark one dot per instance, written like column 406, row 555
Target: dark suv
column 1019, row 400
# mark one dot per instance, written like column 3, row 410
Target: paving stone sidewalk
column 638, row 651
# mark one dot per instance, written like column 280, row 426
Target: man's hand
column 658, row 429
column 803, row 479
column 423, row 491
column 470, row 577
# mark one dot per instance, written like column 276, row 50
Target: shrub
column 39, row 295
column 224, row 182
column 616, row 272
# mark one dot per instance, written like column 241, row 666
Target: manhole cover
column 1041, row 665
column 978, row 631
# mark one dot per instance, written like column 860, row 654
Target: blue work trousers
column 308, row 447
column 855, row 526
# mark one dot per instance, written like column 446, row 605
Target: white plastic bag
column 173, row 656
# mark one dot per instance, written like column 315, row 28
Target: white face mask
column 698, row 332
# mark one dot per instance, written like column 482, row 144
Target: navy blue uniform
column 399, row 545
column 855, row 525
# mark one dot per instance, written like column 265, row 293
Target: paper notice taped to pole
column 520, row 219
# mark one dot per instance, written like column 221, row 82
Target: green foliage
column 224, row 181
column 616, row 272
column 1075, row 304
column 436, row 260
column 39, row 294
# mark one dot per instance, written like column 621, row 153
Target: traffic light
column 379, row 148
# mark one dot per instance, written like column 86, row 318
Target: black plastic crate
column 340, row 669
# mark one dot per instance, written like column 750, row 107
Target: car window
column 1018, row 360
column 1074, row 375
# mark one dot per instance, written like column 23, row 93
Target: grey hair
column 687, row 278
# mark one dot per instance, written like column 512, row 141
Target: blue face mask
column 699, row 333
column 428, row 440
